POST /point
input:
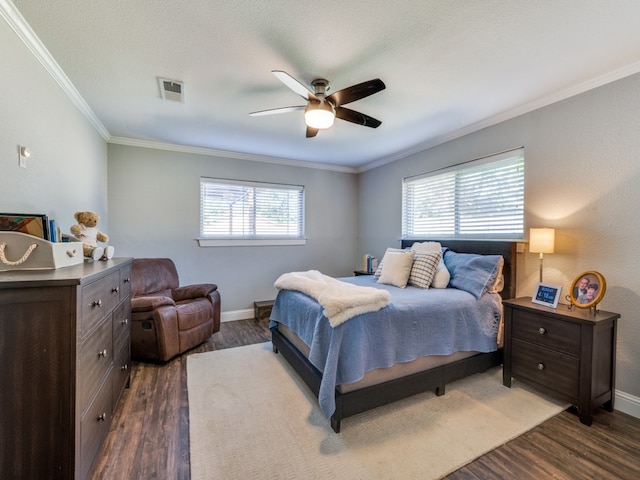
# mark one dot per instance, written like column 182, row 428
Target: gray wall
column 582, row 177
column 154, row 205
column 67, row 170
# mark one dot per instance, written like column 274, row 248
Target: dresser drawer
column 96, row 355
column 125, row 282
column 121, row 322
column 94, row 427
column 121, row 368
column 545, row 331
column 555, row 370
column 98, row 299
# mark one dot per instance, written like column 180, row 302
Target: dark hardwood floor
column 149, row 438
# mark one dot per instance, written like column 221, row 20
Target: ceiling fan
column 321, row 110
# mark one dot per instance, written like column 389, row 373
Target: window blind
column 479, row 199
column 249, row 210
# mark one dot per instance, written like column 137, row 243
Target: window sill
column 250, row 242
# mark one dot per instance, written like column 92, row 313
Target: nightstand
column 357, row 273
column 567, row 353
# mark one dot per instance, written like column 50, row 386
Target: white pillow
column 426, row 247
column 498, row 284
column 390, row 249
column 442, row 275
column 397, row 267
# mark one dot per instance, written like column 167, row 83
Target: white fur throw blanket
column 340, row 300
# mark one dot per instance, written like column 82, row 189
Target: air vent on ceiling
column 171, row 90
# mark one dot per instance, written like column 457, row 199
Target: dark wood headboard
column 485, row 247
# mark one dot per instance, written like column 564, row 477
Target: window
column 250, row 213
column 479, row 199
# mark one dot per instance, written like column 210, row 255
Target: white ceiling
column 450, row 67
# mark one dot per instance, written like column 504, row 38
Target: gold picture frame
column 588, row 289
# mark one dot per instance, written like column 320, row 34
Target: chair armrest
column 146, row 304
column 193, row 291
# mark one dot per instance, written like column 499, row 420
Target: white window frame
column 247, row 234
column 478, row 199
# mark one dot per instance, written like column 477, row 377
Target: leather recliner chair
column 167, row 319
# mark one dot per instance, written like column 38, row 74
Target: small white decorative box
column 19, row 251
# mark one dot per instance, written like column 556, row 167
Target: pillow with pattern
column 424, row 269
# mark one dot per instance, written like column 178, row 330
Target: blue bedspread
column 416, row 323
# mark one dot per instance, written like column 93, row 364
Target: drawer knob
column 102, row 418
column 127, row 280
column 124, row 368
column 115, row 289
column 541, row 366
column 97, row 303
column 542, row 330
column 125, row 321
column 102, row 353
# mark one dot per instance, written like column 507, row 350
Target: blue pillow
column 471, row 272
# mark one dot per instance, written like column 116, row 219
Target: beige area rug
column 251, row 417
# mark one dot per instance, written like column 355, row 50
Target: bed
column 404, row 378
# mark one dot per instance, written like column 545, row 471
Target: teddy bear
column 87, row 232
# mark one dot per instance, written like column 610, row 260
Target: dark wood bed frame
column 357, row 401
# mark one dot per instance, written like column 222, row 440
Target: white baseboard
column 236, row 315
column 627, row 403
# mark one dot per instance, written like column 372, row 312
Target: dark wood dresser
column 567, row 353
column 65, row 355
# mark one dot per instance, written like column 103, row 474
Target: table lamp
column 541, row 240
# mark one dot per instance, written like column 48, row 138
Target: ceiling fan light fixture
column 319, row 115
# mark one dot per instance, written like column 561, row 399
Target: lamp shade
column 542, row 240
column 319, row 115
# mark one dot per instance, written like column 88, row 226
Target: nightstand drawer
column 553, row 369
column 545, row 331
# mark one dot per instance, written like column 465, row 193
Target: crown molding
column 16, row 21
column 547, row 100
column 211, row 152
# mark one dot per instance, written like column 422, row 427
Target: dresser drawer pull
column 541, row 366
column 97, row 303
column 542, row 330
column 124, row 368
column 102, row 353
column 124, row 321
column 115, row 289
column 102, row 418
column 127, row 280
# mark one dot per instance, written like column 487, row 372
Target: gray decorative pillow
column 424, row 268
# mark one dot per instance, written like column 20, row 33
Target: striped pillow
column 424, row 268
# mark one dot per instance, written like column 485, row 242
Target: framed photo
column 588, row 289
column 32, row 224
column 547, row 295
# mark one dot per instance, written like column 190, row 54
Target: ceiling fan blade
column 273, row 111
column 311, row 132
column 356, row 92
column 294, row 85
column 357, row 117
